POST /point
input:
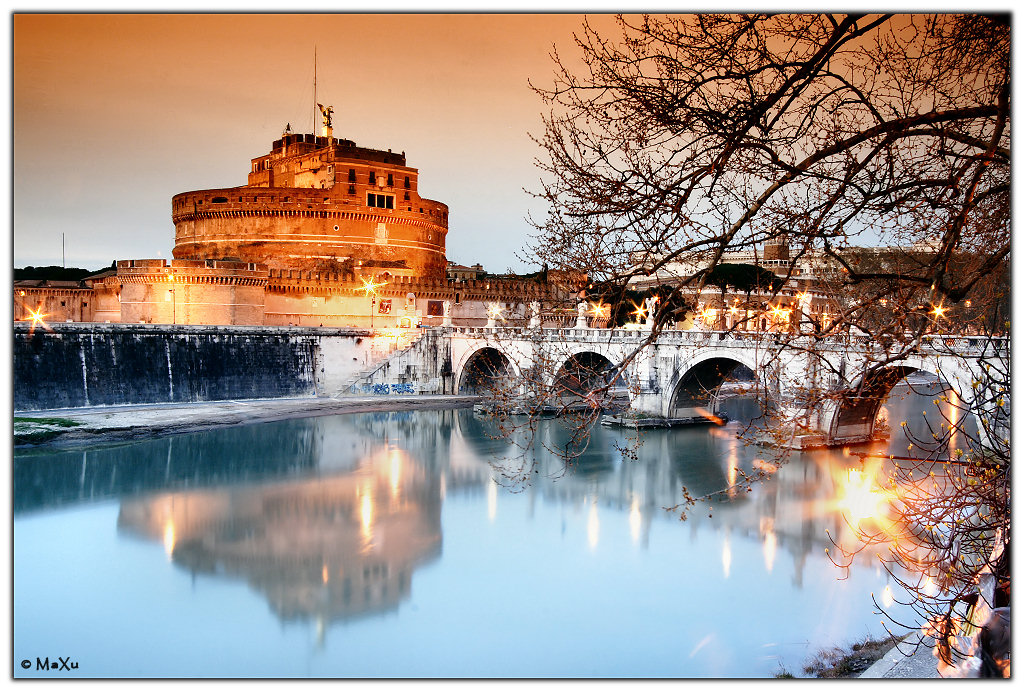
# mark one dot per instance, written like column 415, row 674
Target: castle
column 324, row 233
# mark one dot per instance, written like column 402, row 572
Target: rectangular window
column 351, row 175
column 406, row 182
column 391, row 180
column 373, row 178
column 374, row 199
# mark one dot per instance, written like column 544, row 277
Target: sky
column 113, row 115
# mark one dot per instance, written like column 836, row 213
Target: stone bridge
column 680, row 374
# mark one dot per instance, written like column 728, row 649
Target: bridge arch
column 854, row 417
column 483, row 369
column 695, row 390
column 586, row 370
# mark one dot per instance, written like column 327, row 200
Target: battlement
column 292, row 144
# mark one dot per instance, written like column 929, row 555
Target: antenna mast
column 315, row 107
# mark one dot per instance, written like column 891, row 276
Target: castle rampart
column 192, row 292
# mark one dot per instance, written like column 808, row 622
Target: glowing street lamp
column 640, row 312
column 494, row 311
column 369, row 288
column 779, row 313
column 938, row 311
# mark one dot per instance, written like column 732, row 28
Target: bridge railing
column 934, row 344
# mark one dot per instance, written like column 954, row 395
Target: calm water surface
column 391, row 545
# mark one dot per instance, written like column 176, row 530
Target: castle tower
column 318, row 204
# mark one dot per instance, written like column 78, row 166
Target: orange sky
column 114, row 114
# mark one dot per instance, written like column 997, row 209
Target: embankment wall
column 92, row 364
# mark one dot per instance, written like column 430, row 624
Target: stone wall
column 75, row 365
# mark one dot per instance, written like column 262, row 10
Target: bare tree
column 875, row 148
column 689, row 136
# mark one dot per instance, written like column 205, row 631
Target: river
column 403, row 545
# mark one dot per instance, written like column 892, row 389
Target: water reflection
column 330, row 519
column 326, row 549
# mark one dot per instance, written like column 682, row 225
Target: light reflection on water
column 391, row 545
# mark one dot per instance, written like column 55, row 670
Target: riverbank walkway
column 99, row 424
column 922, row 664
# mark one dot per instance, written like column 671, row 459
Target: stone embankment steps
column 353, row 384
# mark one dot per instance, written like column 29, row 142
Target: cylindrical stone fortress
column 318, row 204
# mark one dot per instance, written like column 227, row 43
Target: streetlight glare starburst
column 780, row 312
column 938, row 311
column 370, row 287
column 36, row 317
column 640, row 312
column 494, row 311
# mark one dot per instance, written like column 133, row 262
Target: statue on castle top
column 326, row 112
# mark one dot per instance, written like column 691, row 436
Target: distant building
column 459, row 272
